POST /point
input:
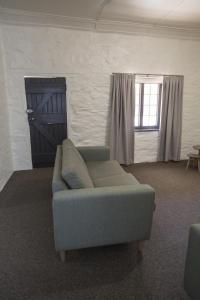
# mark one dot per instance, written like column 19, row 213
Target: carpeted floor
column 31, row 269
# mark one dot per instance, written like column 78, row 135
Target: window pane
column 145, row 120
column 154, row 99
column 150, row 102
column 147, row 89
column 146, row 110
column 154, row 88
column 152, row 121
column 136, row 115
column 146, row 99
column 137, row 104
column 153, row 110
column 137, row 99
column 137, row 88
column 136, row 120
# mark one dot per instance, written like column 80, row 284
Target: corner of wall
column 6, row 161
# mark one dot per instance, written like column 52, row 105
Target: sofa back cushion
column 74, row 169
column 58, row 184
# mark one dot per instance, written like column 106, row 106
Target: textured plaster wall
column 87, row 59
column 5, row 145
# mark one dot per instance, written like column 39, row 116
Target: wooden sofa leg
column 140, row 247
column 62, row 255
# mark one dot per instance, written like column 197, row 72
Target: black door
column 47, row 117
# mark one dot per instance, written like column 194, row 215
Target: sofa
column 192, row 265
column 95, row 202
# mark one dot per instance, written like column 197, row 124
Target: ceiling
column 181, row 13
column 180, row 18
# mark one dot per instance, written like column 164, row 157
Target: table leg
column 199, row 165
column 188, row 163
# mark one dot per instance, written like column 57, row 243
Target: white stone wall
column 87, row 59
column 6, row 168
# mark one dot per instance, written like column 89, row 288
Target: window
column 147, row 106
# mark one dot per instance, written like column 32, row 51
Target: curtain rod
column 158, row 74
column 142, row 74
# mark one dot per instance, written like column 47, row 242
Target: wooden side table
column 193, row 157
column 197, row 147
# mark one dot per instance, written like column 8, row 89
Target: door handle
column 29, row 111
column 32, row 119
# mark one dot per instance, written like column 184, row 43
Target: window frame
column 141, row 108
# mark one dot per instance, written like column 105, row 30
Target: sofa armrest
column 192, row 265
column 104, row 215
column 90, row 153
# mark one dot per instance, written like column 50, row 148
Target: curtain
column 122, row 118
column 171, row 118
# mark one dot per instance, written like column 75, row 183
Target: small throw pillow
column 74, row 169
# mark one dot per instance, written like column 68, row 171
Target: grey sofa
column 192, row 266
column 95, row 202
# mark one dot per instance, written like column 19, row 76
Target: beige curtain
column 171, row 118
column 122, row 118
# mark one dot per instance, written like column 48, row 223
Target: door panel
column 47, row 117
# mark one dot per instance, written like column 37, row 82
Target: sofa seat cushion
column 74, row 169
column 100, row 169
column 116, row 180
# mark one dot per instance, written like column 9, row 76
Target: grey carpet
column 31, row 269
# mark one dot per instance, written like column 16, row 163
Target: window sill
column 146, row 129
